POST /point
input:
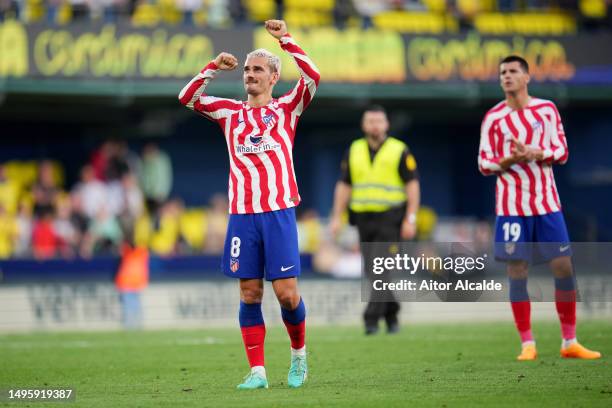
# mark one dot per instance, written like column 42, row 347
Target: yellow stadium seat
column 435, row 6
column 307, row 18
column 146, row 15
column 469, row 8
column 200, row 18
column 410, row 22
column 34, row 10
column 8, row 233
column 10, row 192
column 64, row 14
column 593, row 8
column 193, row 224
column 320, row 5
column 260, row 10
column 169, row 12
column 525, row 23
column 164, row 240
column 311, row 231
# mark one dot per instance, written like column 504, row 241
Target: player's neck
column 518, row 100
column 257, row 101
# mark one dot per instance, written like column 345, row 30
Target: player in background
column 521, row 138
column 261, row 237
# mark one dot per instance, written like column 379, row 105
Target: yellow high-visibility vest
column 376, row 185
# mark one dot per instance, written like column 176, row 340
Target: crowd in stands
column 395, row 14
column 120, row 197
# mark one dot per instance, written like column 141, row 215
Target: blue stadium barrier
column 102, row 269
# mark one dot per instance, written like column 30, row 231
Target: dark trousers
column 379, row 227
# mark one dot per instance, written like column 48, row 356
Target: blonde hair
column 273, row 61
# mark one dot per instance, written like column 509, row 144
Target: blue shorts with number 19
column 262, row 242
column 535, row 239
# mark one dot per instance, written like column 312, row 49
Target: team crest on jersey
column 234, row 265
column 536, row 126
column 510, row 248
column 269, row 120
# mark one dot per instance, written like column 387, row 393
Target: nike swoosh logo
column 251, row 347
column 564, row 248
column 283, row 269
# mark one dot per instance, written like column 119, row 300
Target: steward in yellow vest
column 380, row 187
column 376, row 182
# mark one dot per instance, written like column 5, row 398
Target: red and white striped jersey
column 259, row 140
column 524, row 188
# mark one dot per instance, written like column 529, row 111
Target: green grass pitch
column 450, row 365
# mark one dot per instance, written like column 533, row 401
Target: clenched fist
column 276, row 28
column 226, row 61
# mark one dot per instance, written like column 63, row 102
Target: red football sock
column 253, row 338
column 565, row 300
column 522, row 319
column 297, row 333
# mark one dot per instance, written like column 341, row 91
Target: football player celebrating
column 261, row 239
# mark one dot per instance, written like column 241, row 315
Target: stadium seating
column 260, row 10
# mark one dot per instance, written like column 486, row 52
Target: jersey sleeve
column 193, row 97
column 555, row 144
column 302, row 93
column 408, row 166
column 488, row 161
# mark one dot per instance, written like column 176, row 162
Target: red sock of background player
column 565, row 301
column 521, row 309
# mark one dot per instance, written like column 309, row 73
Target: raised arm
column 194, row 98
column 300, row 96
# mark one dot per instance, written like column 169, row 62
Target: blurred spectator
column 280, row 9
column 343, row 11
column 91, row 192
column 111, row 10
column 80, row 9
column 45, row 243
column 218, row 13
column 133, row 199
column 119, row 157
column 237, row 11
column 188, row 8
column 9, row 9
column 23, row 244
column 103, row 236
column 64, row 228
column 367, row 9
column 131, row 279
column 77, row 217
column 155, row 176
column 217, row 224
column 99, row 160
column 341, row 260
column 45, row 190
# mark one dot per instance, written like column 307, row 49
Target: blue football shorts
column 262, row 245
column 535, row 239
